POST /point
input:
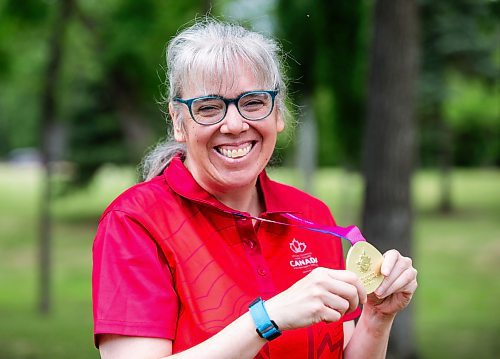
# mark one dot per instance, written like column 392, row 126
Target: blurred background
column 396, row 126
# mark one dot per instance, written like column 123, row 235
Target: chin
column 235, row 180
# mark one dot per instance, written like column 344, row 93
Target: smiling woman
column 206, row 58
column 183, row 268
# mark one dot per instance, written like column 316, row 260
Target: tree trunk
column 445, row 164
column 136, row 130
column 307, row 139
column 389, row 143
column 47, row 125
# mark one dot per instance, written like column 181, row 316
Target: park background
column 396, row 126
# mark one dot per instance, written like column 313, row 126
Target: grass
column 456, row 307
column 67, row 331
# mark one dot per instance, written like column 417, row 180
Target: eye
column 254, row 102
column 208, row 107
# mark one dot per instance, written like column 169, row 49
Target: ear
column 178, row 131
column 280, row 124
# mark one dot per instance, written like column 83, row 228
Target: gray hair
column 206, row 51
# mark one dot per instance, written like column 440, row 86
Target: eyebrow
column 232, row 98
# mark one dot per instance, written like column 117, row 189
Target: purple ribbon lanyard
column 350, row 233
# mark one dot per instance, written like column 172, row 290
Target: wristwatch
column 265, row 327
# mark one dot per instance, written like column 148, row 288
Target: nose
column 233, row 123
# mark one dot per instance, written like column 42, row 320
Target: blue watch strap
column 265, row 327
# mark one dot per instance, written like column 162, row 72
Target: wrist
column 376, row 322
column 265, row 327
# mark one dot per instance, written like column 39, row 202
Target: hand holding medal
column 391, row 277
column 392, row 274
column 366, row 261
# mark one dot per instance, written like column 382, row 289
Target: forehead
column 226, row 80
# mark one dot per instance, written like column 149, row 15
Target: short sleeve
column 132, row 287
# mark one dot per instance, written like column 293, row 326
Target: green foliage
column 471, row 101
column 327, row 42
column 96, row 138
column 113, row 55
column 27, row 11
column 460, row 37
column 472, row 110
column 22, row 48
column 124, row 49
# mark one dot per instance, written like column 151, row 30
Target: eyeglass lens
column 252, row 106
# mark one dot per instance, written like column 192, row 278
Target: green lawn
column 456, row 306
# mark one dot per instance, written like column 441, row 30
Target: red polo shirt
column 171, row 261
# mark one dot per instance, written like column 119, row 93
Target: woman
column 182, row 260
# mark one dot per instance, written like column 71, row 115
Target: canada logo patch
column 302, row 260
column 297, row 247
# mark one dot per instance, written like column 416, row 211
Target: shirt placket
column 255, row 258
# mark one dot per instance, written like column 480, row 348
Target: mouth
column 234, row 152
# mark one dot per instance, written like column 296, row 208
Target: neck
column 244, row 200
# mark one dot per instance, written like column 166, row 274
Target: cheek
column 197, row 137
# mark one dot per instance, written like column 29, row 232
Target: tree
column 119, row 118
column 326, row 43
column 23, row 34
column 458, row 36
column 96, row 74
column 389, row 142
column 47, row 124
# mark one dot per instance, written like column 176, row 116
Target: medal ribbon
column 350, row 233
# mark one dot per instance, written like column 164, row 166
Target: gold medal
column 365, row 260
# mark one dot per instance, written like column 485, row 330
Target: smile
column 234, row 152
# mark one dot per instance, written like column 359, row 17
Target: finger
column 397, row 269
column 352, row 279
column 407, row 294
column 411, row 287
column 327, row 282
column 390, row 259
column 337, row 303
column 400, row 284
column 345, row 291
column 330, row 315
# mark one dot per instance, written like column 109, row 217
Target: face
column 228, row 155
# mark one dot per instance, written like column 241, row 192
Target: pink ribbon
column 350, row 233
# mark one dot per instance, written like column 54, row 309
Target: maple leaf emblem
column 297, row 247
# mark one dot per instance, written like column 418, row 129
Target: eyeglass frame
column 227, row 102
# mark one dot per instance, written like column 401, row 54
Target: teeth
column 240, row 152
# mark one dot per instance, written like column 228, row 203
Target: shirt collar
column 183, row 183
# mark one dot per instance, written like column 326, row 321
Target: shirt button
column 250, row 243
column 261, row 271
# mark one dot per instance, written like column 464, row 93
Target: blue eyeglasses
column 209, row 110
